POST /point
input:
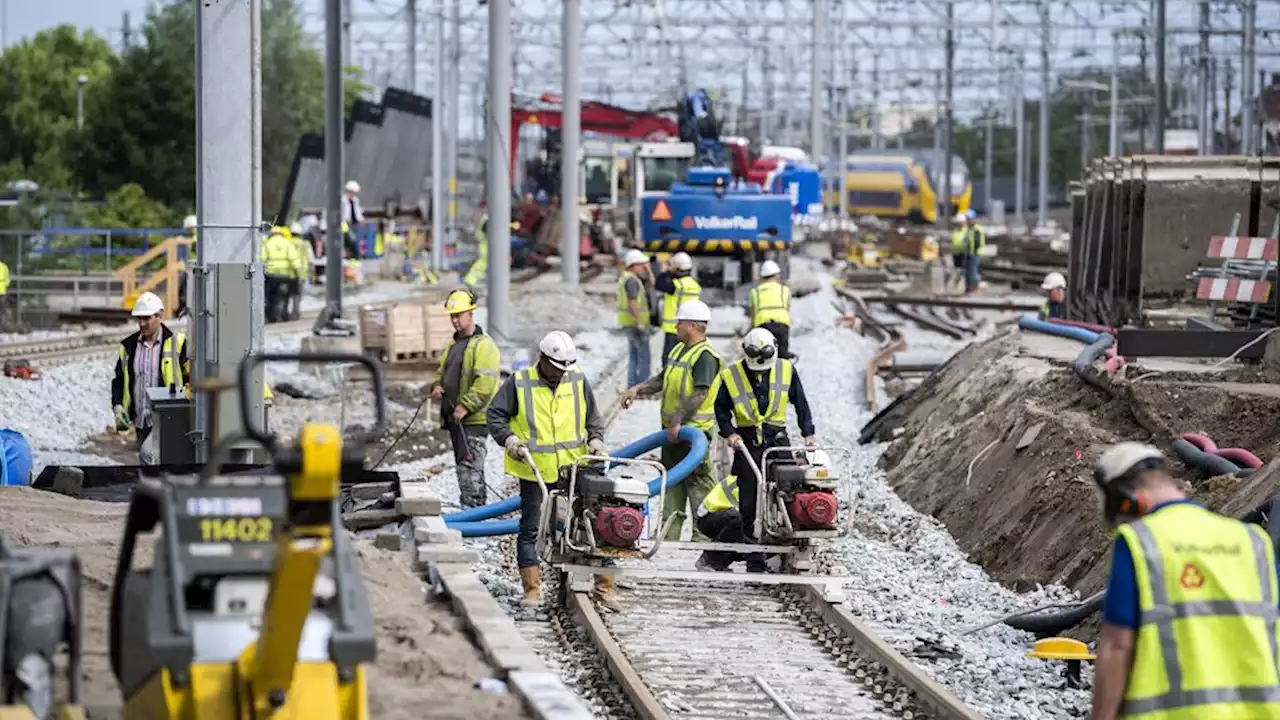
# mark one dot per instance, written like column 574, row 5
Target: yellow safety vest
column 481, row 363
column 168, row 374
column 677, row 385
column 279, row 256
column 625, row 319
column 770, row 302
column 969, row 240
column 724, row 496
column 301, row 267
column 686, row 289
column 4, row 278
column 746, row 411
column 1206, row 645
column 557, row 434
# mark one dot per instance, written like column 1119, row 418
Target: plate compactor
column 796, row 501
column 254, row 605
column 596, row 512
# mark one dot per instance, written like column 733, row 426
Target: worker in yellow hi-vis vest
column 769, row 305
column 678, row 286
column 1189, row 620
column 4, row 294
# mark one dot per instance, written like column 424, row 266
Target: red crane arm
column 596, row 117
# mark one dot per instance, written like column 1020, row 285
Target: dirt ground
column 1033, row 515
column 423, row 651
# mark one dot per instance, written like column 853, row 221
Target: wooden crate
column 437, row 330
column 395, row 333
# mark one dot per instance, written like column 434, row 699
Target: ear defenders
column 1118, row 494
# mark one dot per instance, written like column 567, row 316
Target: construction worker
column 279, row 266
column 688, row 383
column 476, row 272
column 468, row 378
column 352, row 212
column 719, row 517
column 545, row 417
column 751, row 412
column 1189, row 620
column 146, row 360
column 4, row 293
column 769, row 305
column 968, row 239
column 306, row 263
column 678, row 287
column 1055, row 302
column 633, row 314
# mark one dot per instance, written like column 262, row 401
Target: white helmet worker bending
column 1053, row 281
column 760, row 348
column 769, row 269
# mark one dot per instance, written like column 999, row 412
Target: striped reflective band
column 745, row 399
column 685, row 362
column 1164, row 612
column 783, row 295
column 728, row 486
column 526, row 384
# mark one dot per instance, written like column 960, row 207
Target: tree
column 129, row 207
column 38, row 85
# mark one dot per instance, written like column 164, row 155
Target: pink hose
column 1114, row 361
column 1087, row 326
column 1239, row 456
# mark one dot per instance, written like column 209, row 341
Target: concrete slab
column 330, row 344
column 432, row 554
column 1264, row 389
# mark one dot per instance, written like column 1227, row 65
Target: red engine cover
column 811, row 510
column 619, row 526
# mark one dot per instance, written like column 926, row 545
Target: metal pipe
column 948, row 115
column 778, row 701
column 1202, row 82
column 411, row 23
column 439, row 114
column 1042, row 196
column 1113, row 132
column 1248, row 103
column 498, row 166
column 333, row 141
column 988, row 153
column 1020, row 144
column 816, row 80
column 453, row 129
column 842, row 177
column 570, row 139
column 1161, row 90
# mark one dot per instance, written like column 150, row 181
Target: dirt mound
column 1000, row 448
column 423, row 652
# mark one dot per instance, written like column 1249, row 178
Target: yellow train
column 902, row 184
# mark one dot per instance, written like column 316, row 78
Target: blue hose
column 472, row 521
column 1031, row 322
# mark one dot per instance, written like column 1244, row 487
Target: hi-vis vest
column 279, row 256
column 480, row 375
column 1206, row 645
column 968, row 240
column 170, row 368
column 625, row 319
column 4, row 278
column 770, row 302
column 746, row 411
column 724, row 496
column 686, row 289
column 677, row 385
column 552, row 423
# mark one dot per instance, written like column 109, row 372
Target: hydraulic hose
column 1093, row 351
column 1035, row 324
column 1087, row 326
column 1213, row 464
column 1239, row 456
column 1043, row 622
column 479, row 522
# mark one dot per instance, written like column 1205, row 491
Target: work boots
column 531, row 579
column 605, row 594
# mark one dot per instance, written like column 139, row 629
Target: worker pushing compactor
column 154, row 356
column 678, row 286
column 751, row 412
column 467, row 381
column 545, row 417
column 769, row 305
column 688, row 384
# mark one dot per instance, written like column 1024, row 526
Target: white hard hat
column 147, row 305
column 634, row 257
column 558, row 348
column 295, row 228
column 769, row 268
column 188, row 222
column 760, row 348
column 694, row 311
column 960, row 218
column 682, row 261
column 1121, row 458
column 1053, row 281
column 352, row 186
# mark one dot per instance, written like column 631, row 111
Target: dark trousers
column 530, row 508
column 276, row 297
column 725, row 526
column 781, row 333
column 747, row 485
column 669, row 340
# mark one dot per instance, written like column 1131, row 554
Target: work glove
column 122, row 418
column 515, row 448
column 596, row 447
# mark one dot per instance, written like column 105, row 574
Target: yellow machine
column 254, row 606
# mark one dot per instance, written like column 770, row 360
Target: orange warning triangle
column 661, row 211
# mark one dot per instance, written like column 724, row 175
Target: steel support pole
column 453, row 131
column 877, row 115
column 228, row 205
column 411, row 23
column 948, row 135
column 1086, row 134
column 439, row 115
column 1042, row 196
column 1020, row 145
column 570, row 139
column 1203, row 133
column 1248, row 103
column 937, row 113
column 817, row 80
column 498, row 167
column 1113, row 131
column 788, row 69
column 1161, row 88
column 988, row 154
column 333, row 150
column 842, row 177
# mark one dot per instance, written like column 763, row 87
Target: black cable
column 405, row 430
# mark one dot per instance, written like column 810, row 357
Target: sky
column 24, row 18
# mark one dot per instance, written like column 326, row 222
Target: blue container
column 15, row 458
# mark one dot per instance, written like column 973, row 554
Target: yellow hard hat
column 460, row 301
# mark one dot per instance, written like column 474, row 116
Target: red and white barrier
column 1244, row 248
column 1233, row 290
